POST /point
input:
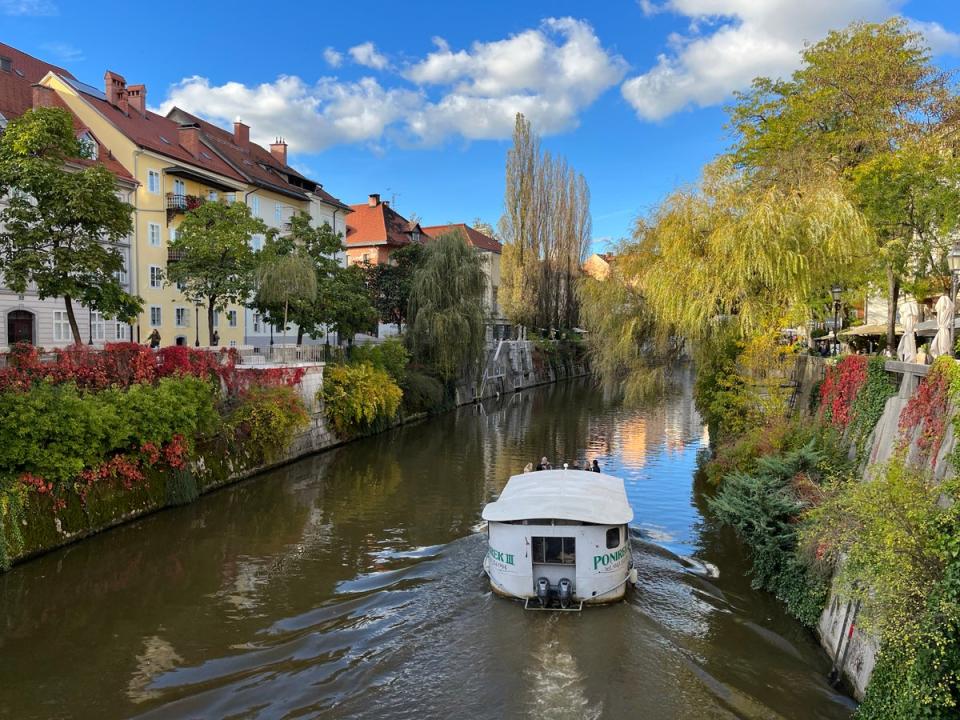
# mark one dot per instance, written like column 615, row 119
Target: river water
column 348, row 585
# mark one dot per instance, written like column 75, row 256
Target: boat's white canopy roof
column 562, row 495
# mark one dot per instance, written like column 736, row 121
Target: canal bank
column 511, row 366
column 342, row 585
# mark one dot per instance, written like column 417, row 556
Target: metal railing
column 290, row 354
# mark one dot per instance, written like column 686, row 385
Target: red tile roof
column 254, row 161
column 476, row 238
column 155, row 132
column 16, row 97
column 378, row 225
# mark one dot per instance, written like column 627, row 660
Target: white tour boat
column 559, row 538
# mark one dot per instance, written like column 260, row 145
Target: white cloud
column 366, row 54
column 940, row 40
column 744, row 39
column 309, row 117
column 27, row 7
column 333, row 58
column 549, row 73
column 63, row 52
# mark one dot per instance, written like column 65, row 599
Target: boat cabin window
column 613, row 538
column 554, row 550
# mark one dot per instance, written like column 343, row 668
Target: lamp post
column 196, row 315
column 836, row 291
column 953, row 262
column 90, row 326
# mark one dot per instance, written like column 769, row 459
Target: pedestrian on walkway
column 596, row 466
column 154, row 339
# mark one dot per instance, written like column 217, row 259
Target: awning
column 879, row 329
column 929, row 327
column 200, row 178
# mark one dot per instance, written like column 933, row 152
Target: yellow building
column 180, row 160
column 171, row 169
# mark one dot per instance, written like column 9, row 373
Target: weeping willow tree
column 446, row 321
column 725, row 259
column 285, row 279
column 754, row 257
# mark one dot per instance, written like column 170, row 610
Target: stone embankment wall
column 517, row 368
column 857, row 661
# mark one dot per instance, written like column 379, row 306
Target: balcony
column 175, row 256
column 181, row 203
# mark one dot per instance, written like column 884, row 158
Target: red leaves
column 927, row 409
column 840, row 387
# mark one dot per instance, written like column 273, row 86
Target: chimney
column 241, row 133
column 374, row 199
column 115, row 88
column 189, row 137
column 279, row 150
column 137, row 98
column 42, row 96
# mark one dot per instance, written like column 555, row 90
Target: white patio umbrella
column 941, row 341
column 907, row 349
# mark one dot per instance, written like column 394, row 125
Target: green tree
column 63, row 221
column 447, row 326
column 215, row 261
column 910, row 197
column 389, row 284
column 861, row 93
column 286, row 279
column 348, row 303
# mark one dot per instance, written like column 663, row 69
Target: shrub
column 267, row 419
column 389, row 355
column 357, row 395
column 54, row 432
column 899, row 538
column 763, row 507
column 422, row 393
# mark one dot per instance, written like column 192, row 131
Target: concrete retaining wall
column 858, row 661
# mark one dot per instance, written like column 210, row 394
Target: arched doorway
column 20, row 327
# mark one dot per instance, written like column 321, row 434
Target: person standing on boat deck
column 544, row 464
column 528, row 467
column 596, row 466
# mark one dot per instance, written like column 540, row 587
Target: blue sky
column 415, row 100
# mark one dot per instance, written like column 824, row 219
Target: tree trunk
column 210, row 303
column 299, row 334
column 893, row 295
column 74, row 328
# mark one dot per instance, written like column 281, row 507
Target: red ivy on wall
column 840, row 387
column 927, row 410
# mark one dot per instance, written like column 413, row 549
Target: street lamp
column 836, row 291
column 953, row 262
column 196, row 315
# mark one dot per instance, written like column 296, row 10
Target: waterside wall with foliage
column 849, row 511
column 95, row 439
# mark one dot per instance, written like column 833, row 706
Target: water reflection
column 347, row 585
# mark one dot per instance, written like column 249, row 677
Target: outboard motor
column 543, row 591
column 565, row 592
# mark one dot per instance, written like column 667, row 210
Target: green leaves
column 62, row 226
column 358, row 395
column 447, row 327
column 216, row 261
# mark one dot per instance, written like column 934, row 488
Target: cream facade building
column 178, row 161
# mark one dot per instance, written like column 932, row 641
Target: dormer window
column 415, row 236
column 89, row 146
